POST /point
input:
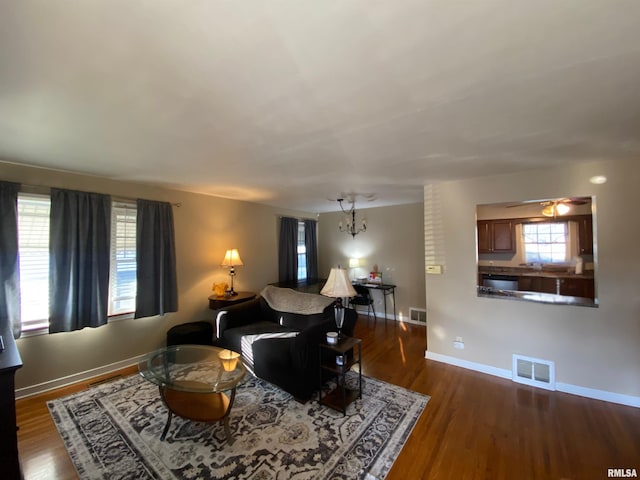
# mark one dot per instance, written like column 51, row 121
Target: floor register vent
column 418, row 315
column 535, row 372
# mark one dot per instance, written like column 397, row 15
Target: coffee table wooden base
column 199, row 407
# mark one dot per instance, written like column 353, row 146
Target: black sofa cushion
column 255, row 329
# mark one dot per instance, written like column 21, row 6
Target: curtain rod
column 41, row 189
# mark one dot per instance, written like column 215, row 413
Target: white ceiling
column 292, row 102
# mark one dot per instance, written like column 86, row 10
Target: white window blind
column 302, row 253
column 122, row 278
column 33, row 248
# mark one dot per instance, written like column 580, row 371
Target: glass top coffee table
column 192, row 380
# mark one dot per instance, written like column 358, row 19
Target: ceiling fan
column 554, row 208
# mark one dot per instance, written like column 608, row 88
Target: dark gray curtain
column 80, row 234
column 311, row 244
column 9, row 267
column 157, row 287
column 288, row 250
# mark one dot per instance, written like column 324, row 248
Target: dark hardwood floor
column 474, row 426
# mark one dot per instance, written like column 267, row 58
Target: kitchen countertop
column 539, row 297
column 530, row 272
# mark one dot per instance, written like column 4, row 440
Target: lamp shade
column 338, row 285
column 231, row 258
column 354, row 263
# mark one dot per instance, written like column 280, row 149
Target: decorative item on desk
column 231, row 259
column 229, row 359
column 338, row 285
column 375, row 276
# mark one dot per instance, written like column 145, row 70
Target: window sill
column 43, row 328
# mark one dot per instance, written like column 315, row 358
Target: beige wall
column 596, row 348
column 205, row 227
column 394, row 240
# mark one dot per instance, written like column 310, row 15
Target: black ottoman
column 194, row 333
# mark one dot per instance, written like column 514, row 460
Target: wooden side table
column 338, row 360
column 217, row 302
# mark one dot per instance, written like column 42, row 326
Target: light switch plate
column 434, row 269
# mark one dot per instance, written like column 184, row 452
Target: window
column 302, row 253
column 33, row 250
column 122, row 276
column 545, row 242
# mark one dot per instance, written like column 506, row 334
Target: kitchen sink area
column 553, row 285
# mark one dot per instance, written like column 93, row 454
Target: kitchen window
column 545, row 242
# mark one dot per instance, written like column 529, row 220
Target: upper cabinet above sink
column 496, row 236
column 585, row 234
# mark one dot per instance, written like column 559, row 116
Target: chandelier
column 349, row 225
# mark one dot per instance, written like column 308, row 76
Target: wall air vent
column 418, row 315
column 534, row 372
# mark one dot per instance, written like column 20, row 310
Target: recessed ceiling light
column 598, row 179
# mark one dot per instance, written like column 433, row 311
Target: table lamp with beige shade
column 231, row 259
column 338, row 286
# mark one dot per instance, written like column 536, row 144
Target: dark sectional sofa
column 281, row 346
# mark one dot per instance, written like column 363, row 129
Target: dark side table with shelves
column 349, row 350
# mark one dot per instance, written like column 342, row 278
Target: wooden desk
column 217, row 302
column 386, row 289
column 10, row 361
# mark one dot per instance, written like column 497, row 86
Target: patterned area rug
column 113, row 431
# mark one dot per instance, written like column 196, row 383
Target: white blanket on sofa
column 288, row 300
column 246, row 345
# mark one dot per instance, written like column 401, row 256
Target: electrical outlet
column 458, row 339
column 458, row 343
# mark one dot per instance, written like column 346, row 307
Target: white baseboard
column 379, row 315
column 76, row 377
column 389, row 316
column 612, row 397
column 604, row 395
column 478, row 367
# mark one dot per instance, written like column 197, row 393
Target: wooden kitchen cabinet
column 496, row 236
column 537, row 284
column 547, row 285
column 578, row 287
column 585, row 234
column 525, row 284
column 574, row 287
